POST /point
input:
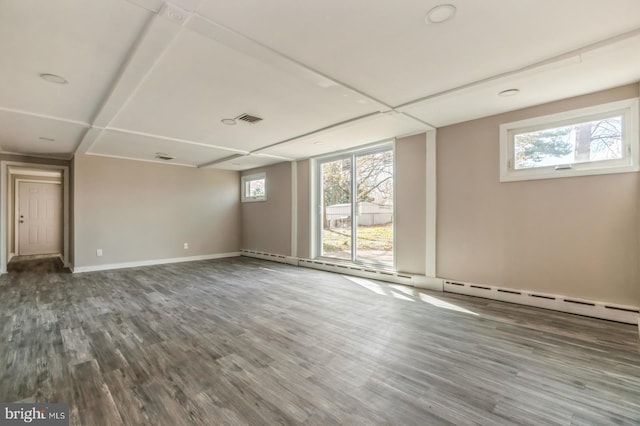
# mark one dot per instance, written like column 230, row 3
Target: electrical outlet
column 99, row 252
column 186, row 246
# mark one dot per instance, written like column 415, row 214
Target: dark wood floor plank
column 92, row 397
column 247, row 342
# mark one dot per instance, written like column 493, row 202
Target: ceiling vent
column 247, row 118
column 163, row 156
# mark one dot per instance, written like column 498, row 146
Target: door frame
column 373, row 148
column 16, row 210
column 4, row 187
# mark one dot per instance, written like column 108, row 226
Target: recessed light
column 42, row 138
column 228, row 121
column 509, row 92
column 441, row 13
column 52, row 78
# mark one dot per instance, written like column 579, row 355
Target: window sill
column 516, row 176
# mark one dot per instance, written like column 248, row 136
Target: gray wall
column 137, row 211
column 411, row 204
column 573, row 236
column 266, row 225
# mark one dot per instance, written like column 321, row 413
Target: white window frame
column 246, row 180
column 630, row 162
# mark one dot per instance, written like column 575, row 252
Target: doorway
column 356, row 220
column 35, row 211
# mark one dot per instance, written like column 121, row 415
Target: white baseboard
column 363, row 271
column 572, row 305
column 94, row 268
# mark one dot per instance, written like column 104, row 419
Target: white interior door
column 39, row 218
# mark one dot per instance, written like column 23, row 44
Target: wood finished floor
column 243, row 341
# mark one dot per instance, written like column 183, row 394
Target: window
column 355, row 199
column 596, row 140
column 254, row 187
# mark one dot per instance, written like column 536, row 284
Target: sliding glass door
column 356, row 206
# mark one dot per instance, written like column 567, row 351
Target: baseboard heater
column 572, row 305
column 363, row 271
column 270, row 256
column 608, row 311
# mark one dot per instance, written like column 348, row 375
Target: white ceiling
column 147, row 76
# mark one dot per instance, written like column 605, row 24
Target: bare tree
column 606, row 139
column 374, row 180
column 583, row 142
column 594, row 140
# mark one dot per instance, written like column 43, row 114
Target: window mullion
column 354, row 208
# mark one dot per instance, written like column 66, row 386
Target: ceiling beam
column 239, row 42
column 221, row 160
column 337, row 126
column 46, row 117
column 151, row 5
column 568, row 58
column 253, row 48
column 168, row 138
column 234, row 157
column 160, row 31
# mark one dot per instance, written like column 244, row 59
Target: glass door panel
column 336, row 184
column 374, row 209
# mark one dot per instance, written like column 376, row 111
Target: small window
column 596, row 140
column 254, row 187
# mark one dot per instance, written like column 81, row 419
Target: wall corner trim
column 94, row 268
column 294, row 209
column 431, row 208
